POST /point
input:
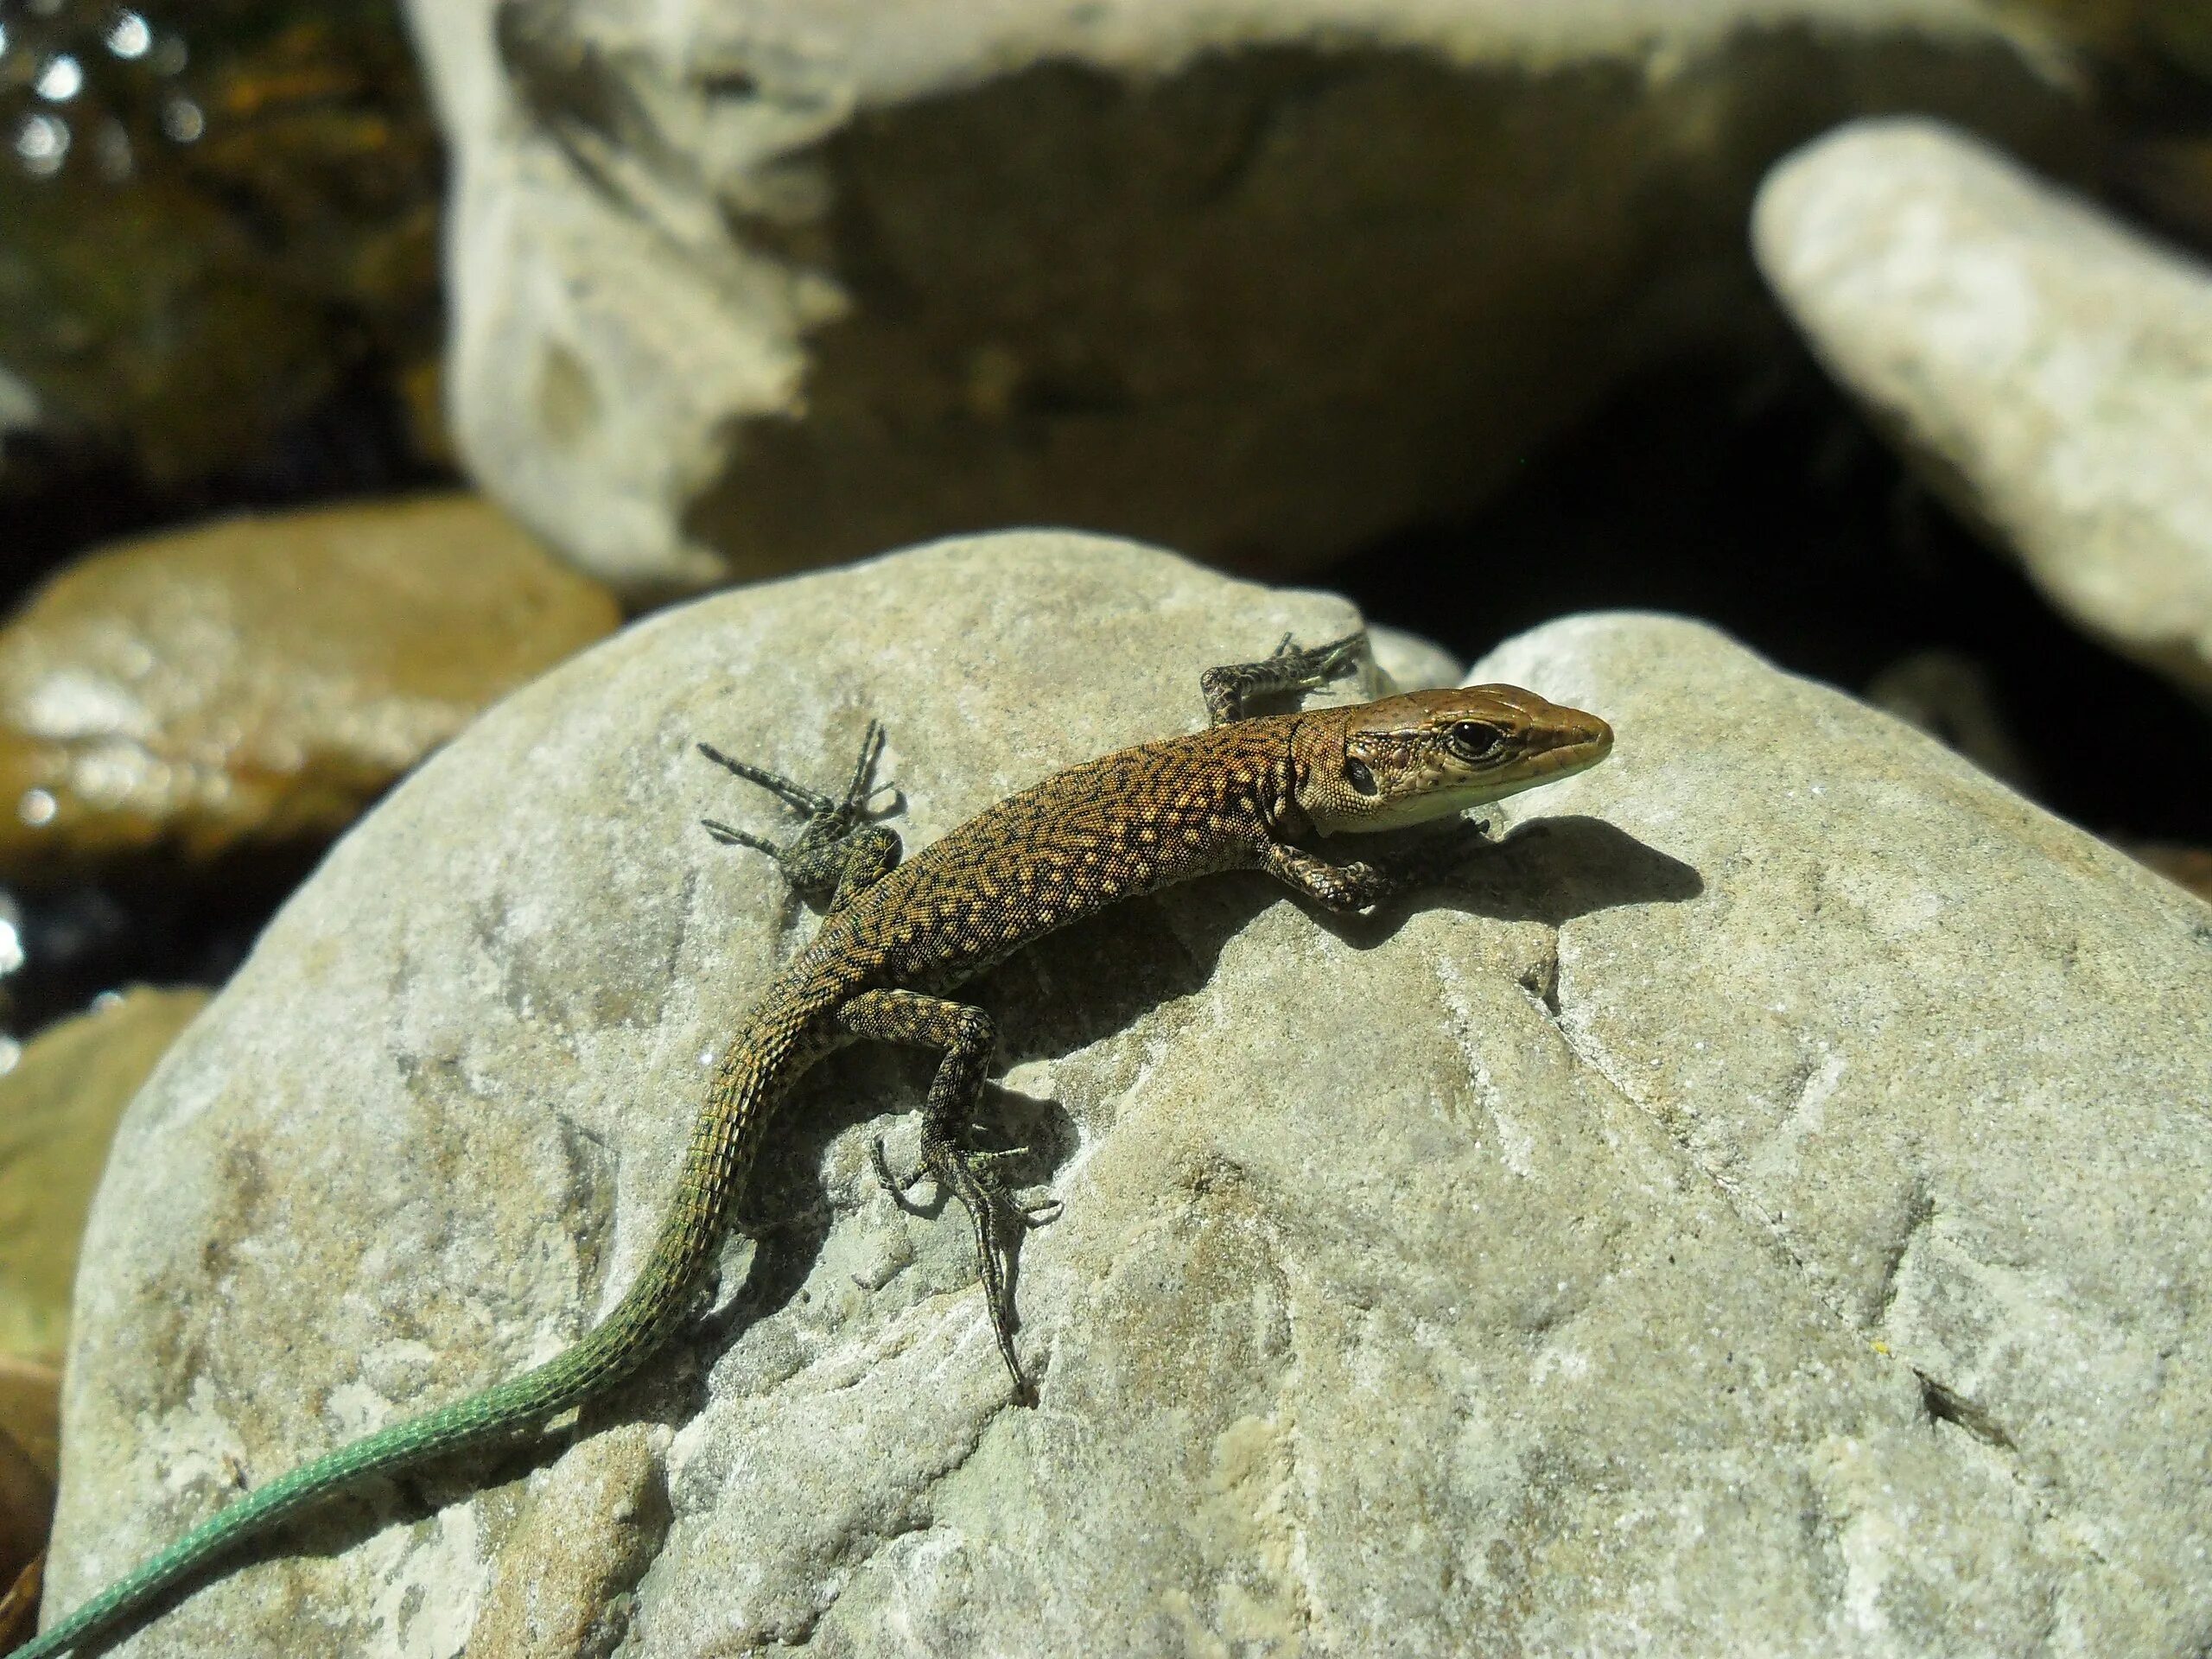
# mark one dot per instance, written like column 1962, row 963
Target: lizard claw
column 899, row 1187
column 1043, row 1213
column 982, row 1168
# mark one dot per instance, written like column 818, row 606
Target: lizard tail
column 661, row 1299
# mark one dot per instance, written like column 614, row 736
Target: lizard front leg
column 966, row 1038
column 1357, row 884
column 841, row 852
column 1230, row 686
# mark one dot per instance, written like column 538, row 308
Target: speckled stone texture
column 744, row 285
column 1756, row 1208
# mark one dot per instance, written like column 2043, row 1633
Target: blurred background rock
column 59, row 1102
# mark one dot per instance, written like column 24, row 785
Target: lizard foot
column 997, row 1216
column 841, row 850
column 983, row 1167
column 1231, row 687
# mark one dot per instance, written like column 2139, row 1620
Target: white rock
column 742, row 285
column 2051, row 370
column 1760, row 1209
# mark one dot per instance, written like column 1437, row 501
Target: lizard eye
column 1477, row 740
column 1357, row 775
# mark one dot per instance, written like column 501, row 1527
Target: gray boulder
column 2050, row 370
column 1757, row 1207
column 741, row 285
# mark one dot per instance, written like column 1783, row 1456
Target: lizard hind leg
column 964, row 1038
column 1229, row 687
column 841, row 850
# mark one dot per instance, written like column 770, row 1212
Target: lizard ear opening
column 1357, row 775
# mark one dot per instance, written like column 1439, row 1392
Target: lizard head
column 1426, row 754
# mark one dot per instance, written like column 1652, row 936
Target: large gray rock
column 1759, row 1208
column 2051, row 370
column 739, row 285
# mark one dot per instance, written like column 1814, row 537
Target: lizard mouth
column 1575, row 745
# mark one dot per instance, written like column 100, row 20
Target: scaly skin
column 1249, row 792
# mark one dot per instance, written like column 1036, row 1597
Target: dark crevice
column 1540, row 981
column 1943, row 1405
column 1750, row 493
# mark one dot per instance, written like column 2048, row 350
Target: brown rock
column 19, row 1604
column 26, row 1508
column 259, row 680
column 2186, row 866
column 58, row 1110
column 30, row 1455
column 30, row 1409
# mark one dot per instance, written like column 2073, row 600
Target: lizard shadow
column 1059, row 997
column 1547, row 870
column 1062, row 996
column 1073, row 990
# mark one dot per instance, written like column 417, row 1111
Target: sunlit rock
column 741, row 287
column 257, row 680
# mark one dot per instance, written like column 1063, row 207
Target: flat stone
column 2051, row 370
column 58, row 1107
column 745, row 285
column 1754, row 1208
column 258, row 680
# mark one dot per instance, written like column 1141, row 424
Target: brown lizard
column 1249, row 792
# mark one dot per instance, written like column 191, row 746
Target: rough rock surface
column 1757, row 1208
column 59, row 1106
column 258, row 680
column 2051, row 369
column 740, row 285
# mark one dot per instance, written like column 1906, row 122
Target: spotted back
column 1123, row 824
